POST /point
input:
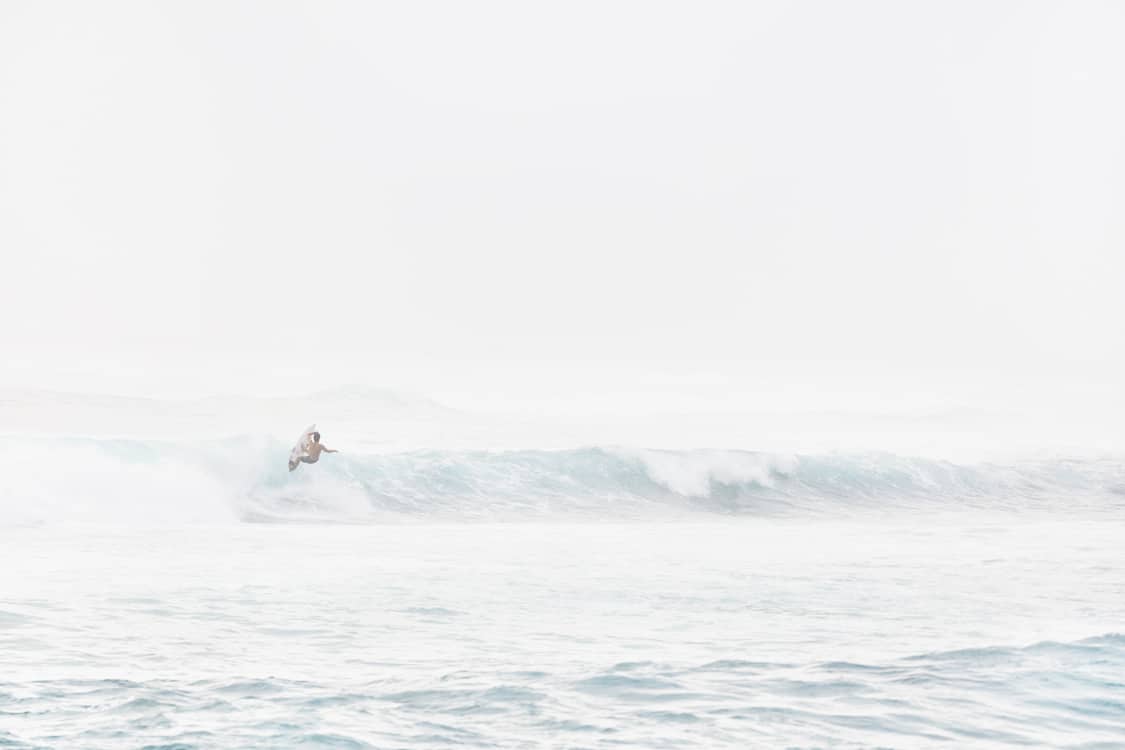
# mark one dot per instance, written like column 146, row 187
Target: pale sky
column 509, row 198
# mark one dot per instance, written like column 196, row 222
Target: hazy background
column 572, row 206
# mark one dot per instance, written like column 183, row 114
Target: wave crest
column 247, row 478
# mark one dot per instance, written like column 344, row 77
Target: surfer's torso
column 308, row 449
column 310, row 455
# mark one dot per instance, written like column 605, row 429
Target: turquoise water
column 964, row 629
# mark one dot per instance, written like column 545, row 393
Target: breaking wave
column 246, row 478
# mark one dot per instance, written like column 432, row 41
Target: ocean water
column 188, row 592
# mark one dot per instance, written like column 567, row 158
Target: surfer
column 308, row 450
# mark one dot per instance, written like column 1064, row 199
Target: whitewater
column 460, row 580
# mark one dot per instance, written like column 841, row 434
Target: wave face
column 246, row 478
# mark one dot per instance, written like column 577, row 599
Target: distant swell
column 246, row 478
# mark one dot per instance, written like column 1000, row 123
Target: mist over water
column 765, row 366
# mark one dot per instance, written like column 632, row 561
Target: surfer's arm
column 331, row 450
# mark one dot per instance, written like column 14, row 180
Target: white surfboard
column 302, row 447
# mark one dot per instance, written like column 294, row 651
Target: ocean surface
column 163, row 590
